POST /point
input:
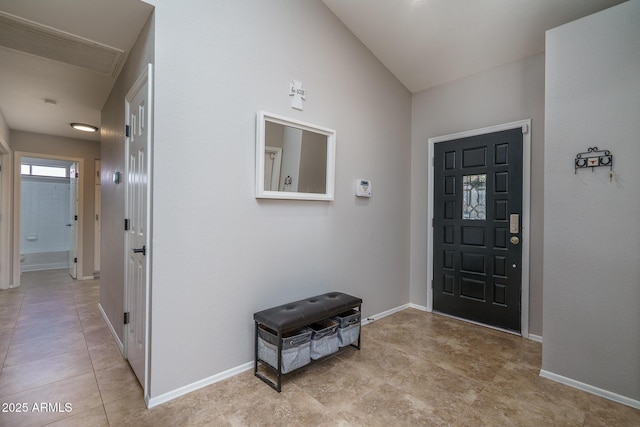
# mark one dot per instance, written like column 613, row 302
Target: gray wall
column 592, row 233
column 511, row 92
column 313, row 160
column 219, row 254
column 113, row 196
column 37, row 143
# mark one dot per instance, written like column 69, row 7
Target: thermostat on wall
column 363, row 188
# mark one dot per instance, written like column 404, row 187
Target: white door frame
column 145, row 77
column 526, row 210
column 97, row 196
column 74, row 185
column 275, row 166
column 6, row 236
column 17, row 206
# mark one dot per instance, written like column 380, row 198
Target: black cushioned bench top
column 296, row 314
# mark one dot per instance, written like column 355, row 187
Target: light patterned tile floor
column 414, row 368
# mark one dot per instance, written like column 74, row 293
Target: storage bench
column 276, row 326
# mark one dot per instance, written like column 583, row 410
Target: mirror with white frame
column 294, row 160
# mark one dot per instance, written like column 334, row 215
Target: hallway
column 414, row 368
column 56, row 349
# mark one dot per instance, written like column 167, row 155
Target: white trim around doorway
column 525, row 125
column 6, row 237
column 17, row 205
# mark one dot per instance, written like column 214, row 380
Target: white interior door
column 73, row 191
column 272, row 161
column 138, row 141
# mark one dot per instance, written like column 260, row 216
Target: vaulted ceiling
column 424, row 43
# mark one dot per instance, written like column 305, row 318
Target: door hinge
column 75, row 260
column 127, row 131
column 77, row 175
column 126, row 318
column 75, row 217
column 126, row 224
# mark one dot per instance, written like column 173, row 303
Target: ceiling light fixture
column 84, row 127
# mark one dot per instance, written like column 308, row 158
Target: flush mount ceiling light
column 84, row 127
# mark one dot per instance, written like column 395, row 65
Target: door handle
column 142, row 250
column 515, row 240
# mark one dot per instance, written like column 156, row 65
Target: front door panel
column 476, row 254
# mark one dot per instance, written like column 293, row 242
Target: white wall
column 511, row 92
column 219, row 254
column 592, row 233
column 45, row 211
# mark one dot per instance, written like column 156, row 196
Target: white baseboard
column 158, row 400
column 44, row 266
column 369, row 319
column 113, row 331
column 418, row 307
column 591, row 389
column 537, row 338
column 163, row 398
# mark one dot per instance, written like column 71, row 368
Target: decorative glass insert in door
column 474, row 196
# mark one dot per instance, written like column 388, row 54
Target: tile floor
column 414, row 369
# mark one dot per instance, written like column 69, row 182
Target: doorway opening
column 48, row 214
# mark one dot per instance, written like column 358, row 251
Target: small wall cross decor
column 297, row 91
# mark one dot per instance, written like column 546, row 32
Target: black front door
column 477, row 228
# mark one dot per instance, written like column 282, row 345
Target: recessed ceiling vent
column 39, row 40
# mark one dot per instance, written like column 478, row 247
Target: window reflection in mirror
column 295, row 160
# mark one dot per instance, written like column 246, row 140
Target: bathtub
column 35, row 261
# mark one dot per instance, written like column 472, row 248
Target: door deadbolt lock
column 515, row 240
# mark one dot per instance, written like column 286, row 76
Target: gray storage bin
column 324, row 339
column 348, row 335
column 295, row 348
column 348, row 327
column 347, row 318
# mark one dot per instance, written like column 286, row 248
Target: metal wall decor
column 593, row 158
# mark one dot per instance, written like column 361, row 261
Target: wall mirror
column 294, row 160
